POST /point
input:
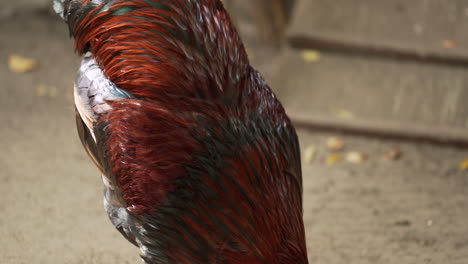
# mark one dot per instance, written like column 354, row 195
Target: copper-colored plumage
column 201, row 153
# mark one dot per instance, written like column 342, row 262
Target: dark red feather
column 203, row 155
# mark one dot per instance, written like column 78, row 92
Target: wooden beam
column 262, row 22
column 440, row 135
column 421, row 30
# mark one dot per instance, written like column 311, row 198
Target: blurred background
column 378, row 91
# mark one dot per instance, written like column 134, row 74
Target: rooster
column 199, row 160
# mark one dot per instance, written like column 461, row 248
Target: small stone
column 418, row 29
column 335, row 143
column 429, row 222
column 393, row 154
column 355, row 157
column 41, row 90
column 449, row 44
column 45, row 90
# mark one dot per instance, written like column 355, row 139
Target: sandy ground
column 413, row 210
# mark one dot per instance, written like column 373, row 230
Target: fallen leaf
column 464, row 165
column 393, row 154
column 309, row 154
column 449, row 44
column 333, row 159
column 20, row 64
column 355, row 157
column 342, row 113
column 335, row 143
column 310, row 55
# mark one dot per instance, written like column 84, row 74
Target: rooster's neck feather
column 171, row 47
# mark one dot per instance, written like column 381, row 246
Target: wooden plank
column 261, row 22
column 417, row 29
column 382, row 129
column 403, row 95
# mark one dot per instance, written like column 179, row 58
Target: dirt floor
column 412, row 210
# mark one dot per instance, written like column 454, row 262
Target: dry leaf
column 464, row 165
column 393, row 154
column 333, row 159
column 309, row 154
column 20, row 64
column 342, row 114
column 355, row 157
column 310, row 55
column 335, row 143
column 449, row 44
